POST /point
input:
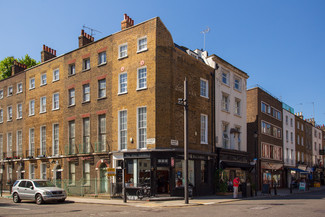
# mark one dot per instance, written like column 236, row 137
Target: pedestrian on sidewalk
column 236, row 183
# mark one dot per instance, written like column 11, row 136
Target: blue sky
column 280, row 44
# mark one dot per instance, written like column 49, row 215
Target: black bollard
column 291, row 188
column 275, row 193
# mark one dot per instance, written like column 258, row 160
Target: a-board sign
column 302, row 186
column 111, row 172
column 265, row 189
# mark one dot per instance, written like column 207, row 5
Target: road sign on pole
column 111, row 172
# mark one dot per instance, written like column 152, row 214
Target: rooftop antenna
column 91, row 30
column 205, row 32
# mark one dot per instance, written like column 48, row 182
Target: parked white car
column 38, row 190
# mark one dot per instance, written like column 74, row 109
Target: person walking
column 236, row 183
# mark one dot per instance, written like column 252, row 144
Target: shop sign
column 111, row 172
column 136, row 155
column 174, row 142
column 151, row 141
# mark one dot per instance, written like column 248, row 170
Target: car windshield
column 43, row 184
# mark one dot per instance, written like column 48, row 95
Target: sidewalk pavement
column 196, row 201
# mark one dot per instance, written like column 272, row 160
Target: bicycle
column 144, row 191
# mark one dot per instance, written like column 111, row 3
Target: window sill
column 226, row 111
column 239, row 91
column 204, row 97
column 122, row 93
column 43, row 85
column 85, row 102
column 70, row 106
column 227, row 85
column 144, row 50
column 31, row 115
column 19, row 118
column 85, row 70
column 55, row 109
column 19, row 92
column 102, row 64
column 238, row 115
column 9, row 120
column 143, row 88
column 204, row 143
column 55, row 80
column 70, row 75
column 120, row 58
column 42, row 112
column 32, row 88
column 9, row 95
column 98, row 99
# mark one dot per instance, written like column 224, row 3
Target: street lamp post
column 256, row 162
column 183, row 102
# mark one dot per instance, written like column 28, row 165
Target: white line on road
column 6, row 207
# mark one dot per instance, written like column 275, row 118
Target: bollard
column 291, row 188
column 275, row 193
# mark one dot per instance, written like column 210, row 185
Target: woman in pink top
column 236, row 183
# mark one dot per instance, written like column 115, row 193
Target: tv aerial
column 204, row 32
column 92, row 31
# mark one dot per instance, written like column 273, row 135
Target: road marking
column 260, row 207
column 6, row 207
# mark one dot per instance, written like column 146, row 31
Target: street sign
column 174, row 142
column 151, row 141
column 111, row 172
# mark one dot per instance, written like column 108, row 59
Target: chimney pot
column 125, row 15
column 43, row 46
column 54, row 52
column 82, row 32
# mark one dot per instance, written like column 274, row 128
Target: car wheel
column 16, row 198
column 39, row 199
column 61, row 201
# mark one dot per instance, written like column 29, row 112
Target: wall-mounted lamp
column 131, row 140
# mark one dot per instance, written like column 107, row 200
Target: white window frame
column 43, row 81
column 101, row 89
column 9, row 113
column 31, row 141
column 43, row 173
column 55, row 138
column 225, row 102
column 120, row 84
column 101, row 60
column 237, row 107
column 84, row 93
column 206, row 91
column 86, row 64
column 1, row 94
column 9, row 145
column 119, row 51
column 19, row 111
column 42, row 140
column 19, row 143
column 32, row 171
column 225, row 135
column 226, row 77
column 72, row 136
column 120, row 130
column 138, row 44
column 56, row 71
column 31, row 107
column 72, row 69
column 32, row 83
column 19, row 87
column 86, row 134
column 72, row 173
column 204, row 129
column 102, row 135
column 72, row 97
column 55, row 104
column 239, row 83
column 10, row 91
column 86, row 173
column 144, row 79
column 42, row 109
column 1, row 146
column 142, row 127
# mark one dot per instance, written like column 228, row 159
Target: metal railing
column 97, row 147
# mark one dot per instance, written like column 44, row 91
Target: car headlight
column 48, row 193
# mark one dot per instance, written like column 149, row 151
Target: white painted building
column 230, row 98
column 289, row 150
column 317, row 145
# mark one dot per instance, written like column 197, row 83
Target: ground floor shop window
column 138, row 172
column 179, row 173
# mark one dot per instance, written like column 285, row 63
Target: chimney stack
column 17, row 67
column 127, row 22
column 85, row 38
column 47, row 53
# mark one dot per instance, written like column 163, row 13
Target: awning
column 299, row 170
column 233, row 164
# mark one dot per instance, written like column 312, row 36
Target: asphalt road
column 306, row 205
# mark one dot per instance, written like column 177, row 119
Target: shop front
column 164, row 173
column 272, row 174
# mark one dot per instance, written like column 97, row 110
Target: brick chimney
column 17, row 67
column 47, row 53
column 85, row 38
column 127, row 22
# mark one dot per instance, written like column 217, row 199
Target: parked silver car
column 38, row 190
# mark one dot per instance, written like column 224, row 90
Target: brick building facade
column 112, row 101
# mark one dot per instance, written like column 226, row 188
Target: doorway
column 103, row 180
column 163, row 180
column 58, row 176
